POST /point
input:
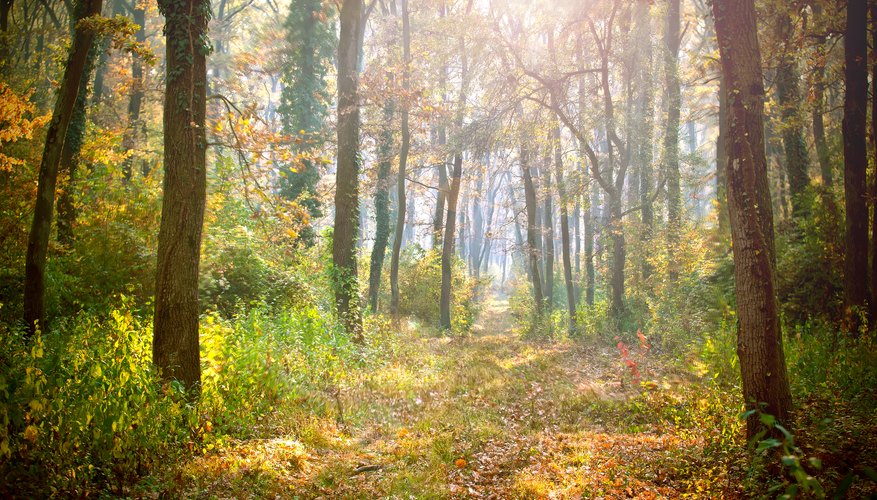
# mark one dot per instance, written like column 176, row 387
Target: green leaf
column 768, row 444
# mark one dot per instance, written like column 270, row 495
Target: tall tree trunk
column 477, row 243
column 759, row 336
column 590, row 193
column 822, row 153
column 463, row 227
column 532, row 229
column 382, row 207
column 588, row 222
column 135, row 103
column 5, row 9
column 548, row 232
column 403, row 163
column 671, row 134
column 577, row 237
column 872, row 7
column 442, row 170
column 564, row 228
column 855, row 163
column 175, row 348
column 448, row 243
column 789, row 97
column 347, row 174
column 102, row 67
column 70, row 154
column 453, row 194
column 38, row 239
column 644, row 129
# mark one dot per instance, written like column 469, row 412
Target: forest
column 438, row 249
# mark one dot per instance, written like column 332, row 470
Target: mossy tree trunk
column 38, row 238
column 175, row 344
column 347, row 173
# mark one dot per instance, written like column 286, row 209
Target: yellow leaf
column 31, row 433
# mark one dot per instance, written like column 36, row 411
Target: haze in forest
column 438, row 248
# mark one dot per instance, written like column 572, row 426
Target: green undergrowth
column 83, row 410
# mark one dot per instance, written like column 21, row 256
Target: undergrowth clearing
column 489, row 415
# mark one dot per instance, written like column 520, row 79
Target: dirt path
column 486, row 416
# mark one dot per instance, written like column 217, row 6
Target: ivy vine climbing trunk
column 347, row 173
column 175, row 345
column 792, row 131
column 38, row 238
column 382, row 207
column 759, row 334
column 70, row 154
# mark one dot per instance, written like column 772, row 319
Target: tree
column 38, row 238
column 403, row 162
column 792, row 130
column 672, row 39
column 855, row 162
column 382, row 206
column 304, row 100
column 564, row 225
column 453, row 193
column 872, row 7
column 759, row 334
column 547, row 230
column 175, row 345
column 135, row 128
column 643, row 112
column 532, row 221
column 347, row 172
column 822, row 153
column 70, row 153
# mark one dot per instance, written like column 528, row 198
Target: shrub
column 420, row 276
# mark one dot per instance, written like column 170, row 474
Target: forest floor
column 489, row 415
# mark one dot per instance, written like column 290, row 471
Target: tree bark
column 564, row 228
column 70, row 155
column 759, row 335
column 5, row 9
column 855, row 163
column 532, row 230
column 347, row 173
column 872, row 7
column 454, row 192
column 403, row 162
column 644, row 125
column 789, row 97
column 135, row 103
column 175, row 347
column 448, row 243
column 671, row 134
column 382, row 208
column 822, row 153
column 38, row 238
column 548, row 233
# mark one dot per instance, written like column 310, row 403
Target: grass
column 490, row 415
